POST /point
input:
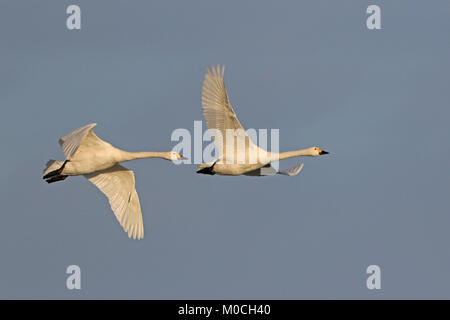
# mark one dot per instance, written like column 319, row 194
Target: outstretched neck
column 128, row 156
column 292, row 154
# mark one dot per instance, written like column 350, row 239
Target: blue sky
column 377, row 100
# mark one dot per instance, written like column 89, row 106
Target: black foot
column 208, row 170
column 56, row 178
column 56, row 172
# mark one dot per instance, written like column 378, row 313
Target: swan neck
column 127, row 156
column 294, row 153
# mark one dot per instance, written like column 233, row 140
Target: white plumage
column 117, row 184
column 98, row 161
column 238, row 154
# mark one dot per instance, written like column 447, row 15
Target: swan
column 220, row 118
column 98, row 161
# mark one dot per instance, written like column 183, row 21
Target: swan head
column 173, row 156
column 316, row 151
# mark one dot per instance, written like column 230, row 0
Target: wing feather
column 266, row 170
column 72, row 141
column 217, row 110
column 292, row 171
column 118, row 185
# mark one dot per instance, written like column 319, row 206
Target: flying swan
column 237, row 158
column 98, row 161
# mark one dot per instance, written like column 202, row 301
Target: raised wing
column 117, row 184
column 72, row 141
column 218, row 113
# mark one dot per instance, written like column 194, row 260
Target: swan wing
column 266, row 170
column 83, row 136
column 117, row 184
column 292, row 171
column 217, row 111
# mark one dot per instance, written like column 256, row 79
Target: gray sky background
column 377, row 100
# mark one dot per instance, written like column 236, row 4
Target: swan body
column 98, row 161
column 220, row 119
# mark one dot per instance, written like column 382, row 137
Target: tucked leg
column 56, row 172
column 56, row 178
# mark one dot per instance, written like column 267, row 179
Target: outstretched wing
column 117, row 183
column 218, row 113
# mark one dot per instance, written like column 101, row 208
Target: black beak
column 323, row 152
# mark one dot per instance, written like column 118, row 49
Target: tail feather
column 52, row 165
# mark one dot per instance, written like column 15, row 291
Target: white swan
column 221, row 119
column 97, row 160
